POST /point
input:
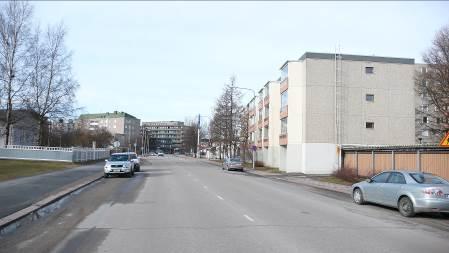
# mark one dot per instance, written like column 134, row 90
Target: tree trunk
column 8, row 121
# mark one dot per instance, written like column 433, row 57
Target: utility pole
column 231, row 134
column 198, row 140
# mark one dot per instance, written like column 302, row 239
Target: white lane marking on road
column 196, row 179
column 205, row 187
column 220, row 197
column 248, row 218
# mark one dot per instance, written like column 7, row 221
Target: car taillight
column 434, row 192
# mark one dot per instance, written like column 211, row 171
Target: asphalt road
column 22, row 192
column 183, row 205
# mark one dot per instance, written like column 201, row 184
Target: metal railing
column 73, row 154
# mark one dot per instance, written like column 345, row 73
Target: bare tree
column 432, row 86
column 226, row 124
column 15, row 18
column 52, row 87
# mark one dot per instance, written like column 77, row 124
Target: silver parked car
column 135, row 159
column 410, row 192
column 232, row 164
column 119, row 164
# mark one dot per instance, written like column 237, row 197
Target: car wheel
column 106, row 175
column 405, row 207
column 357, row 196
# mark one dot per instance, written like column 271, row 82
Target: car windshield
column 237, row 160
column 424, row 178
column 118, row 158
column 133, row 156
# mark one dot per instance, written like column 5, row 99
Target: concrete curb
column 316, row 184
column 7, row 220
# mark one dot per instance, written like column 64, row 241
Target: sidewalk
column 302, row 179
column 17, row 194
column 298, row 178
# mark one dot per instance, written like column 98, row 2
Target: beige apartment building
column 324, row 100
column 124, row 126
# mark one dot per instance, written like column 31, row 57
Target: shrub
column 347, row 174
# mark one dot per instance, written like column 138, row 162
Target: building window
column 423, row 69
column 267, row 109
column 425, row 133
column 369, row 70
column 284, row 126
column 370, row 97
column 260, row 115
column 369, row 125
column 425, row 120
column 284, row 72
column 265, row 134
column 284, row 100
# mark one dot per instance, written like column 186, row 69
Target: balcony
column 259, row 143
column 260, row 124
column 252, row 128
column 252, row 112
column 266, row 100
column 266, row 142
column 266, row 121
column 284, row 112
column 283, row 140
column 283, row 85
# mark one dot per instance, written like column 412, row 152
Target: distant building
column 24, row 129
column 165, row 135
column 124, row 127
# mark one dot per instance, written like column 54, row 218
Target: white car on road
column 119, row 164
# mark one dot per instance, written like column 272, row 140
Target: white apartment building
column 264, row 124
column 325, row 100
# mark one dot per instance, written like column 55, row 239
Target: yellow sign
column 445, row 141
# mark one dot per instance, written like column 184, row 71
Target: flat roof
column 106, row 115
column 351, row 57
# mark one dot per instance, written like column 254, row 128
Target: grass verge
column 268, row 169
column 10, row 169
column 334, row 180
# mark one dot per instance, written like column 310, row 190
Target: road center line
column 248, row 218
column 218, row 196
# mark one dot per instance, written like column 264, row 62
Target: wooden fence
column 367, row 161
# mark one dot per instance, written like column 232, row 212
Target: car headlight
column 126, row 166
column 107, row 166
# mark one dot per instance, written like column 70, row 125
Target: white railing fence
column 73, row 154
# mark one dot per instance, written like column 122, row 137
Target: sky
column 170, row 60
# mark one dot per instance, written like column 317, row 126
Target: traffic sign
column 445, row 141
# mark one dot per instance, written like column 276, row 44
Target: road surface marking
column 248, row 218
column 205, row 187
column 220, row 197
